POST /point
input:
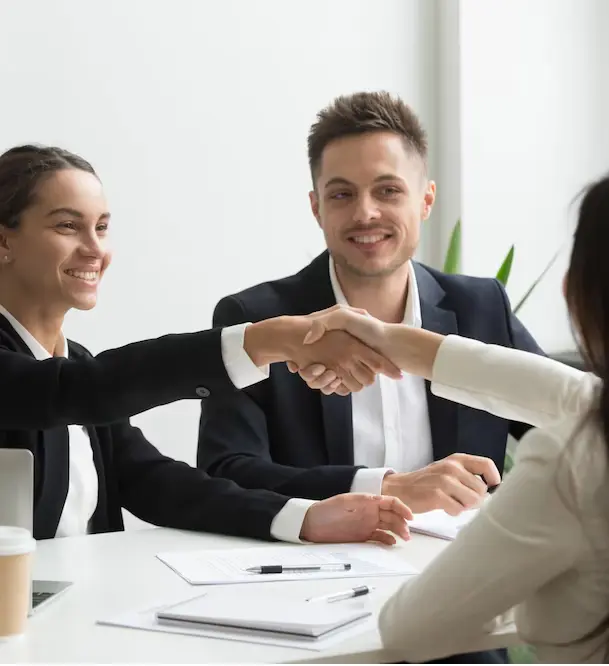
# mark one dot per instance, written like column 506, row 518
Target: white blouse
column 541, row 544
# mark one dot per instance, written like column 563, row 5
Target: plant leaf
column 537, row 281
column 452, row 262
column 506, row 267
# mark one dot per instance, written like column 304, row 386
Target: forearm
column 273, row 340
column 411, row 349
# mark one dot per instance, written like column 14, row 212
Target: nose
column 366, row 210
column 92, row 246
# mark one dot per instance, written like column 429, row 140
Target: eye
column 390, row 191
column 102, row 228
column 67, row 226
column 338, row 196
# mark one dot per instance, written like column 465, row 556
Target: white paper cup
column 16, row 549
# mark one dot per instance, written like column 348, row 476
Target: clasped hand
column 340, row 352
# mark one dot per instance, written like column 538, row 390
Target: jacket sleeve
column 116, row 384
column 169, row 493
column 234, row 440
column 510, row 383
column 520, row 338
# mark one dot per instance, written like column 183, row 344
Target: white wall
column 195, row 114
column 534, row 107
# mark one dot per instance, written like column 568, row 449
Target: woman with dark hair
column 70, row 409
column 541, row 544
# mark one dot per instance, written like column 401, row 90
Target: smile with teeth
column 87, row 276
column 368, row 240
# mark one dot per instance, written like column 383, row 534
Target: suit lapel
column 49, row 507
column 443, row 414
column 50, row 464
column 317, row 294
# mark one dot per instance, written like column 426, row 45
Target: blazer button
column 202, row 392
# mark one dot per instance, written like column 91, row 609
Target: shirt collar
column 412, row 311
column 38, row 351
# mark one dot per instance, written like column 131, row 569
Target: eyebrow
column 75, row 213
column 343, row 181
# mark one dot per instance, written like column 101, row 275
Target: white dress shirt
column 391, row 430
column 81, row 500
column 541, row 543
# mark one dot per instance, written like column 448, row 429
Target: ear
column 5, row 249
column 428, row 199
column 314, row 201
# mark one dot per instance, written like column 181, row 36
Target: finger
column 323, row 381
column 464, row 495
column 310, row 372
column 394, row 523
column 379, row 364
column 333, row 387
column 395, row 505
column 362, row 373
column 485, row 467
column 383, row 537
column 292, row 367
column 342, row 390
column 448, row 504
column 315, row 333
column 472, row 481
column 351, row 383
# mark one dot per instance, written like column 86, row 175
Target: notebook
column 266, row 615
column 440, row 524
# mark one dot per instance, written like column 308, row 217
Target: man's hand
column 340, row 355
column 452, row 484
column 337, row 357
column 356, row 517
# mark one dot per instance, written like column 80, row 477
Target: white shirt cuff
column 369, row 480
column 287, row 523
column 240, row 368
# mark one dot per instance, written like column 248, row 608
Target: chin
column 84, row 303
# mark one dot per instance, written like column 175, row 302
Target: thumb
column 315, row 333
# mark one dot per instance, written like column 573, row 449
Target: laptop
column 17, row 510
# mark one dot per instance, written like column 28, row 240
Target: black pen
column 297, row 568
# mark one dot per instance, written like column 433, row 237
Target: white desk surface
column 119, row 572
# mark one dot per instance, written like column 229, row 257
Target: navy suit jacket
column 282, row 436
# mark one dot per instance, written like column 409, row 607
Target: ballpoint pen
column 347, row 594
column 297, row 568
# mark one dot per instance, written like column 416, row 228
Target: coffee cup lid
column 15, row 541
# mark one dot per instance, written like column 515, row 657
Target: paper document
column 440, row 524
column 215, row 567
column 276, row 613
column 146, row 619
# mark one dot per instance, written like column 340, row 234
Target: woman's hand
column 354, row 321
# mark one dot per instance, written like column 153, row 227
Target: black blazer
column 38, row 399
column 282, row 436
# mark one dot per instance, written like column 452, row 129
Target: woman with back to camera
column 541, row 544
column 70, row 409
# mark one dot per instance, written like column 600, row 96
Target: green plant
column 452, row 264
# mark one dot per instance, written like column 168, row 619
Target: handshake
column 338, row 350
column 341, row 350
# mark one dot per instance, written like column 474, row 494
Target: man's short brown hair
column 365, row 112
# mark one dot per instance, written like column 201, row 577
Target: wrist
column 411, row 349
column 386, row 483
column 273, row 340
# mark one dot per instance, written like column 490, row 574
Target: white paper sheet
column 440, row 524
column 215, row 567
column 145, row 619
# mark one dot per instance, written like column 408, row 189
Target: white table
column 119, row 572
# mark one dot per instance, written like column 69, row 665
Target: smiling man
column 371, row 191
